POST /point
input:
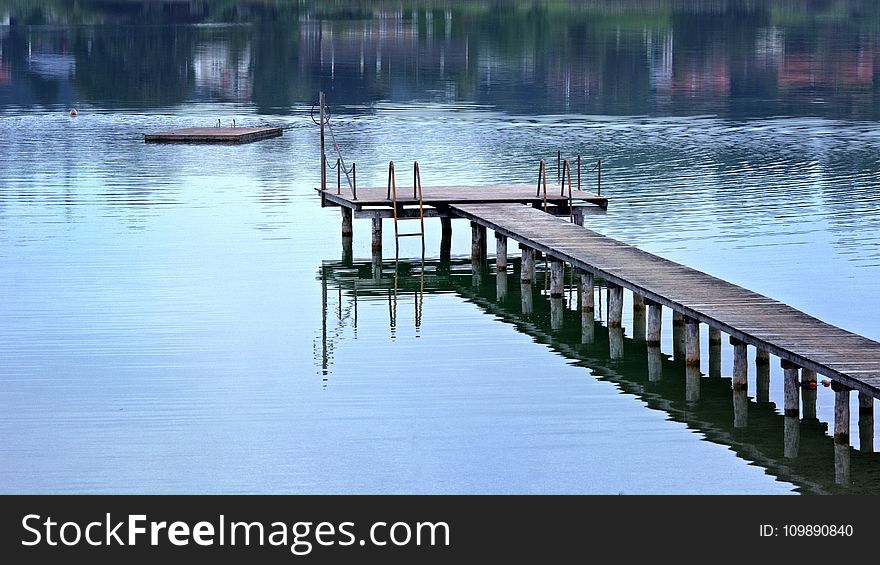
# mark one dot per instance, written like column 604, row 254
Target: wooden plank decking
column 848, row 358
column 440, row 196
column 212, row 135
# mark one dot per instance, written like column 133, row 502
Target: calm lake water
column 178, row 319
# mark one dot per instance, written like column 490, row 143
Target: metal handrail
column 542, row 175
column 417, row 181
column 566, row 169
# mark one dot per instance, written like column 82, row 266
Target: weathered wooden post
column 527, row 266
column 714, row 353
column 791, row 388
column 655, row 323
column 841, row 413
column 615, row 305
column 501, row 285
column 588, row 316
column 478, row 242
column 578, row 214
column 791, row 409
column 866, row 423
column 740, row 379
column 762, row 376
column 809, row 394
column 639, row 322
column 615, row 342
column 347, row 230
column 445, row 238
column 526, row 298
column 678, row 339
column 841, row 433
column 500, row 252
column 692, row 341
column 655, row 363
column 557, row 277
column 557, row 309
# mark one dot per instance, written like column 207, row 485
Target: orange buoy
column 73, row 113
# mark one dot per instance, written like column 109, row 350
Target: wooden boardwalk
column 847, row 358
column 212, row 135
column 440, row 197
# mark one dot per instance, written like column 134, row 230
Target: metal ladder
column 417, row 193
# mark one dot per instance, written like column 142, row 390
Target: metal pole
column 323, row 161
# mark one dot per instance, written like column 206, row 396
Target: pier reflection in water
column 790, row 448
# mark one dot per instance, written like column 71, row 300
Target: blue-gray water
column 162, row 326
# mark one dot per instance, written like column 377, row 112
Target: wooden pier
column 799, row 340
column 212, row 135
column 548, row 220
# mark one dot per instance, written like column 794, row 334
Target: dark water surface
column 177, row 319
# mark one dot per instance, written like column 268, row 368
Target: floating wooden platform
column 212, row 135
column 848, row 358
column 440, row 197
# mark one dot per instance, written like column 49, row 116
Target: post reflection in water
column 792, row 438
column 501, row 285
column 794, row 451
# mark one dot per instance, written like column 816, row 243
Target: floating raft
column 212, row 135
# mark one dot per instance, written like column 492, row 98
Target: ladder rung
column 409, row 234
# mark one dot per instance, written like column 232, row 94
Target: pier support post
column 615, row 305
column 377, row 236
column 714, row 353
column 500, row 252
column 347, row 230
column 588, row 316
column 478, row 242
column 655, row 324
column 578, row 214
column 792, row 389
column 526, row 298
column 639, row 322
column 841, row 413
column 866, row 423
column 841, row 433
column 692, row 341
column 527, row 266
column 557, row 277
column 445, row 238
column 678, row 336
column 762, row 376
column 740, row 365
column 808, row 394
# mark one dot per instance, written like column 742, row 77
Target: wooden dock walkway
column 800, row 340
column 212, row 135
column 440, row 197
